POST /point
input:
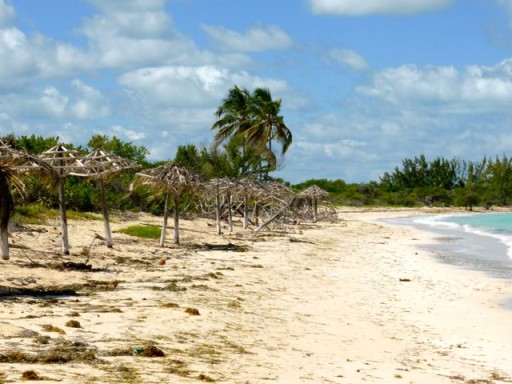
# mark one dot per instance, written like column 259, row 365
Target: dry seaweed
column 41, row 291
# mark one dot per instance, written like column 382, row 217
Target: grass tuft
column 144, row 231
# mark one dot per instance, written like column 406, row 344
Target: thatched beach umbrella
column 314, row 193
column 220, row 188
column 61, row 163
column 278, row 199
column 100, row 165
column 174, row 179
column 11, row 161
column 247, row 188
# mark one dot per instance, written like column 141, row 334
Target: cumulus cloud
column 477, row 88
column 256, row 39
column 128, row 133
column 349, row 58
column 89, row 103
column 15, row 46
column 134, row 38
column 368, row 7
column 6, row 13
column 179, row 85
column 190, row 85
column 53, row 102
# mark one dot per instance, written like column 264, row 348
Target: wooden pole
column 63, row 217
column 166, row 216
column 230, row 213
column 246, row 211
column 217, row 213
column 176, row 219
column 104, row 211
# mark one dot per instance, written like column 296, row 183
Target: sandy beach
column 353, row 302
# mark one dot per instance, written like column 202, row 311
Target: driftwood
column 6, row 291
column 76, row 266
column 224, row 247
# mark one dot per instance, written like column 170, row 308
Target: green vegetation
column 144, row 231
column 39, row 214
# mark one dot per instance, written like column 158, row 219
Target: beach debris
column 172, row 287
column 405, row 280
column 30, row 375
column 52, row 328
column 149, row 351
column 73, row 324
column 192, row 311
column 7, row 291
column 205, row 378
column 224, row 247
column 71, row 265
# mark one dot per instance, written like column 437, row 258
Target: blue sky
column 364, row 84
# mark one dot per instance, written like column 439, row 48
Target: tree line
column 438, row 182
column 417, row 181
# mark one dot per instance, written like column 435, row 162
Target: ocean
column 478, row 241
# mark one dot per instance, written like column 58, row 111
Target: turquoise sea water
column 481, row 241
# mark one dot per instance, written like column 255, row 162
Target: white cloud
column 367, row 7
column 89, row 103
column 256, row 39
column 190, row 86
column 349, row 58
column 6, row 13
column 128, row 133
column 476, row 89
column 15, row 47
column 176, row 85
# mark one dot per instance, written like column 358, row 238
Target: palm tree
column 234, row 115
column 267, row 125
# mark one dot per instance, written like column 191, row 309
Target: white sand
column 321, row 303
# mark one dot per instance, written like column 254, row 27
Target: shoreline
column 472, row 249
column 356, row 301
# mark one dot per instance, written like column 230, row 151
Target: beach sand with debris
column 351, row 302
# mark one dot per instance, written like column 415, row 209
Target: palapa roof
column 21, row 160
column 100, row 164
column 314, row 192
column 171, row 176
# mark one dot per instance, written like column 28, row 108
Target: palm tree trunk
column 176, row 220
column 104, row 211
column 63, row 217
column 166, row 216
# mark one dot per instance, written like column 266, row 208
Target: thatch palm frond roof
column 171, row 176
column 101, row 164
column 313, row 192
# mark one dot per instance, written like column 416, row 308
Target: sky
column 364, row 84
